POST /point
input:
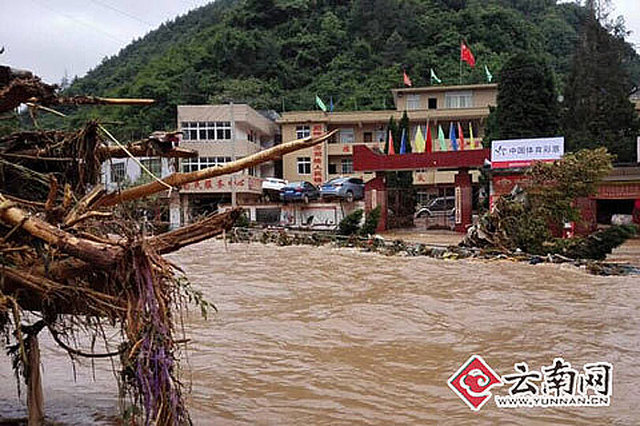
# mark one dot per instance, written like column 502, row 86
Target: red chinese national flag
column 407, row 80
column 466, row 55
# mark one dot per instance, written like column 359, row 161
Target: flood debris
column 75, row 258
column 380, row 245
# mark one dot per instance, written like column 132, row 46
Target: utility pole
column 234, row 201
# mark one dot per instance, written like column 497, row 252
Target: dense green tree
column 527, row 100
column 597, row 110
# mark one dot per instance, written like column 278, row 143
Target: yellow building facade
column 435, row 106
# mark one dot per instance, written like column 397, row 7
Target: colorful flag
column 443, row 143
column 466, row 55
column 452, row 136
column 429, row 142
column 321, row 104
column 434, row 77
column 391, row 150
column 419, row 140
column 403, row 142
column 472, row 142
column 407, row 80
column 461, row 137
column 489, row 76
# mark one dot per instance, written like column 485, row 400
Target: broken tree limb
column 178, row 179
column 100, row 255
column 85, row 203
column 191, row 234
column 94, row 100
column 143, row 149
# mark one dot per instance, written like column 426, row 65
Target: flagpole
column 460, row 81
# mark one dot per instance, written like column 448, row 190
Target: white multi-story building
column 220, row 134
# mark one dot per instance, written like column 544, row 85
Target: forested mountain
column 279, row 53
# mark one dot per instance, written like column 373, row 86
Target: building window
column 333, row 169
column 195, row 164
column 302, row 132
column 347, row 136
column 118, row 172
column 154, row 165
column 413, row 102
column 206, row 130
column 368, row 137
column 458, row 100
column 347, row 166
column 433, row 103
column 304, row 165
column 380, row 135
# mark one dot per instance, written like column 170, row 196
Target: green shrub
column 351, row 223
column 371, row 222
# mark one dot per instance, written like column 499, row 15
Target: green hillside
column 279, row 53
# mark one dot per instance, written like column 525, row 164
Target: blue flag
column 331, row 104
column 452, row 136
column 403, row 143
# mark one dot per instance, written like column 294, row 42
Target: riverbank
column 438, row 248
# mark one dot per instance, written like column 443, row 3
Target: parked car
column 301, row 191
column 271, row 188
column 441, row 206
column 347, row 188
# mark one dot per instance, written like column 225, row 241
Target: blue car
column 299, row 191
column 347, row 188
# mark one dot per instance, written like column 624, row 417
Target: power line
column 81, row 22
column 122, row 12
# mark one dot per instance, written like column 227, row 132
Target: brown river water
column 335, row 336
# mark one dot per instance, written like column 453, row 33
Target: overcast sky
column 51, row 37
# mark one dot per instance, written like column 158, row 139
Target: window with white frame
column 206, row 130
column 118, row 172
column 456, row 100
column 199, row 163
column 302, row 132
column 413, row 102
column 347, row 136
column 304, row 165
column 347, row 166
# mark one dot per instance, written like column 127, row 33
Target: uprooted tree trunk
column 178, row 179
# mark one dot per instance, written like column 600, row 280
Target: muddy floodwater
column 310, row 335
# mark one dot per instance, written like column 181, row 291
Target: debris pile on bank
column 75, row 258
column 377, row 244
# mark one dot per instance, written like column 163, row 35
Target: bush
column 371, row 222
column 242, row 221
column 351, row 223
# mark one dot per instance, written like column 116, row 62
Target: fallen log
column 191, row 234
column 99, row 254
column 178, row 179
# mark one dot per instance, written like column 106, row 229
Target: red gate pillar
column 464, row 200
column 375, row 194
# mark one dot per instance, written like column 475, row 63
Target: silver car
column 347, row 188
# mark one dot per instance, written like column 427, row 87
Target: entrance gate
column 377, row 193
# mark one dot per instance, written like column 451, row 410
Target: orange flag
column 461, row 137
column 407, row 80
column 392, row 150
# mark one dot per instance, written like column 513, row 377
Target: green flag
column 434, row 77
column 320, row 104
column 443, row 142
column 489, row 76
